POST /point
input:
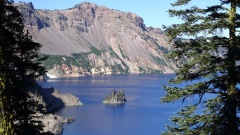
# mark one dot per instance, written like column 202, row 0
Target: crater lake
column 142, row 114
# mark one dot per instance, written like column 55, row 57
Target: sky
column 153, row 12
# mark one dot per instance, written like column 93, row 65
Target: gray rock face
column 53, row 100
column 92, row 39
column 69, row 119
column 115, row 98
column 52, row 123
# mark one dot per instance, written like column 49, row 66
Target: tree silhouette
column 28, row 66
column 20, row 65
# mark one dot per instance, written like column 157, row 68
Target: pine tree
column 20, row 65
column 9, row 26
column 212, row 67
column 27, row 68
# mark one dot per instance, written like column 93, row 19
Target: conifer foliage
column 209, row 63
column 19, row 66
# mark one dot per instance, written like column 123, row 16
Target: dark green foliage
column 82, row 59
column 118, row 68
column 7, row 41
column 95, row 51
column 27, row 65
column 159, row 61
column 72, row 61
column 60, row 59
column 52, row 60
column 141, row 70
column 20, row 65
column 122, row 53
column 211, row 67
column 112, row 53
column 156, row 72
column 163, row 49
column 145, row 36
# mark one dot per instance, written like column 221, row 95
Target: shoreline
column 108, row 75
column 53, row 100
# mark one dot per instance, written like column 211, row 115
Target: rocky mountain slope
column 91, row 39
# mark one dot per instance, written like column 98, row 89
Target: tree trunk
column 231, row 103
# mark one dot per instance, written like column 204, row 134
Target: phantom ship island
column 115, row 98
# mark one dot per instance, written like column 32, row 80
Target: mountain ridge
column 97, row 39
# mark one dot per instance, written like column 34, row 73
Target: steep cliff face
column 91, row 39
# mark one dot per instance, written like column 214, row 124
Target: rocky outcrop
column 90, row 39
column 69, row 119
column 52, row 123
column 53, row 100
column 115, row 98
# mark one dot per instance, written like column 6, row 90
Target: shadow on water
column 53, row 103
column 113, row 106
column 115, row 109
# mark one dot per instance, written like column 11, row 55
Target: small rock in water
column 68, row 120
column 115, row 98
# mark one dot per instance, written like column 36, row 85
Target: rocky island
column 115, row 98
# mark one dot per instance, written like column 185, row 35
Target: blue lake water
column 143, row 114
